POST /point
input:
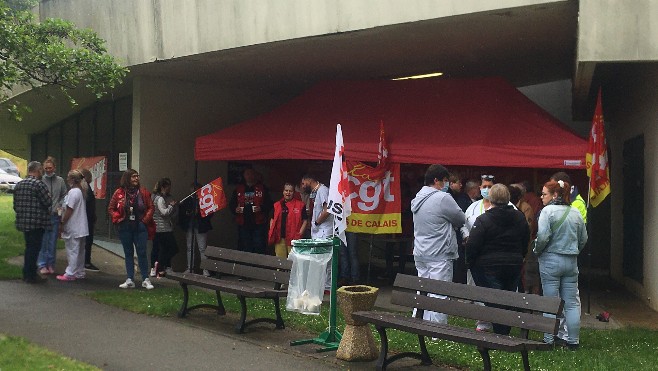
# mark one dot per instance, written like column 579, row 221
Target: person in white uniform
column 75, row 228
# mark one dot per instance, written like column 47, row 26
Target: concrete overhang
column 526, row 45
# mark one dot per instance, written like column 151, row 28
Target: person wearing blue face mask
column 476, row 209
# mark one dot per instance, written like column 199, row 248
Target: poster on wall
column 98, row 168
column 376, row 204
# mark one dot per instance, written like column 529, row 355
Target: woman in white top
column 74, row 226
column 165, row 212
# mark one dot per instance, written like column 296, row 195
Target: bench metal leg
column 526, row 362
column 424, row 355
column 243, row 315
column 277, row 310
column 484, row 352
column 220, row 306
column 383, row 351
column 182, row 312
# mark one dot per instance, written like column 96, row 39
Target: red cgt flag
column 211, row 197
column 596, row 159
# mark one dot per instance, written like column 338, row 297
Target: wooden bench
column 523, row 311
column 261, row 270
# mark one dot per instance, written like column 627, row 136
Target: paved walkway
column 57, row 316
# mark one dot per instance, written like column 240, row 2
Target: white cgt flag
column 339, row 203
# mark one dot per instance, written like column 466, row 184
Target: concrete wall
column 141, row 31
column 555, row 98
column 634, row 112
column 618, row 30
column 168, row 116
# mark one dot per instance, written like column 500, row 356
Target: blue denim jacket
column 569, row 238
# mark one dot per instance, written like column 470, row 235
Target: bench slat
column 260, row 260
column 530, row 321
column 258, row 273
column 450, row 332
column 545, row 304
column 226, row 286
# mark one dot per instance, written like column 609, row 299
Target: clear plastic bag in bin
column 309, row 269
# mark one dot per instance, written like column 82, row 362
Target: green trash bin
column 308, row 274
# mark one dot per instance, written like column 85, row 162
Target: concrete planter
column 357, row 343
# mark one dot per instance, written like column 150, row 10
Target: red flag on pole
column 211, row 197
column 596, row 159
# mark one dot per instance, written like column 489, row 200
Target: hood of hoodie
column 421, row 197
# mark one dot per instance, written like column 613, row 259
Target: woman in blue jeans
column 560, row 238
column 131, row 210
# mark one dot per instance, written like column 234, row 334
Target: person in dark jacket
column 496, row 246
column 90, row 204
column 195, row 226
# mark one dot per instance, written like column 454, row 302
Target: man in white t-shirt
column 74, row 227
column 322, row 225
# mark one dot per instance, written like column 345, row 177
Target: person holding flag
column 195, row 225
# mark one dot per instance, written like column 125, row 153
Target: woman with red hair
column 561, row 236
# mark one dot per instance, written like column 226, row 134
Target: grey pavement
column 58, row 316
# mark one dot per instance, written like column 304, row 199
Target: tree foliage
column 52, row 52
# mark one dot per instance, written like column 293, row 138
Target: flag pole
column 589, row 249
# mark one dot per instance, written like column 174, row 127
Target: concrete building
column 200, row 65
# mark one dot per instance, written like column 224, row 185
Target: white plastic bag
column 307, row 278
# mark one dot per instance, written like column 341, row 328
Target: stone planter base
column 357, row 343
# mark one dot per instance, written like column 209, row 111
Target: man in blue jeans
column 32, row 204
column 57, row 189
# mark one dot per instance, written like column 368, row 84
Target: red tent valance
column 473, row 122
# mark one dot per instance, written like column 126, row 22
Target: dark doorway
column 634, row 208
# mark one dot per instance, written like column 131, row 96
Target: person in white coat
column 75, row 227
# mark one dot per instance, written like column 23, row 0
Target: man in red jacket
column 251, row 205
column 289, row 222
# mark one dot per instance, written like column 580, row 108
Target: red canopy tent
column 472, row 122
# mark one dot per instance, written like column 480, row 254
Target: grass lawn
column 19, row 354
column 624, row 349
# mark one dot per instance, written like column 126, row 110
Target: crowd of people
column 484, row 233
column 47, row 207
column 508, row 244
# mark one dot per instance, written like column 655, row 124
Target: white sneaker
column 152, row 274
column 146, row 284
column 129, row 284
column 187, row 271
column 206, row 273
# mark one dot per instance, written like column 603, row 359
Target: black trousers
column 167, row 246
column 32, row 247
column 88, row 242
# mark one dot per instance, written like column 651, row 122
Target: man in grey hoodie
column 436, row 217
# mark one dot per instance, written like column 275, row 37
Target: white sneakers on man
column 129, row 284
column 147, row 284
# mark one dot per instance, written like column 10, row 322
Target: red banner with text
column 375, row 199
column 98, row 168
